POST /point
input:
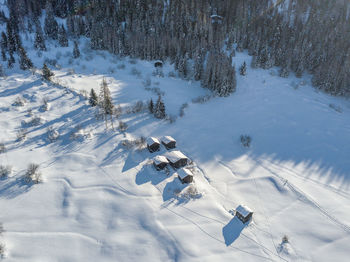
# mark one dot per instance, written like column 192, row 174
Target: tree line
column 201, row 37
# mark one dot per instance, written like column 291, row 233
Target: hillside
column 100, row 200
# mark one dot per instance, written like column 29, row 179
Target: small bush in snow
column 147, row 82
column 19, row 101
column 246, row 140
column 155, row 90
column 122, row 126
column 133, row 61
column 21, row 134
column 71, row 71
column 182, row 109
column 32, row 174
column 121, row 66
column 191, row 193
column 84, row 93
column 36, row 121
column 140, row 143
column 135, row 72
column 171, row 119
column 45, row 104
column 2, row 148
column 52, row 134
column 5, row 171
column 117, row 112
column 172, row 74
column 201, row 99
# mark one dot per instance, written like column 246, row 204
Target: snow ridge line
column 303, row 196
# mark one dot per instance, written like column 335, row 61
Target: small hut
column 185, row 175
column 244, row 213
column 169, row 142
column 176, row 158
column 153, row 144
column 160, row 162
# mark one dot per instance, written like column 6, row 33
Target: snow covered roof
column 216, row 16
column 184, row 172
column 243, row 210
column 175, row 156
column 167, row 139
column 152, row 140
column 160, row 159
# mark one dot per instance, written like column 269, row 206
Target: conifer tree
column 62, row 37
column 93, row 99
column 151, row 106
column 24, row 63
column 76, row 52
column 105, row 102
column 159, row 110
column 39, row 42
column 47, row 73
column 243, row 69
column 11, row 61
column 4, row 41
column 50, row 24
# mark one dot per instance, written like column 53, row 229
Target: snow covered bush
column 80, row 134
column 246, row 140
column 5, row 171
column 138, row 107
column 52, row 134
column 45, row 104
column 19, row 101
column 32, row 174
column 285, row 239
column 36, row 121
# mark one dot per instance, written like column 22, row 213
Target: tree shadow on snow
column 232, row 230
column 149, row 174
column 12, row 187
column 173, row 189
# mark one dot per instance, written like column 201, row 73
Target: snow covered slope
column 103, row 201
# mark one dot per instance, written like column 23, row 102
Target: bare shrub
column 139, row 143
column 182, row 109
column 52, row 134
column 122, row 126
column 147, row 82
column 172, row 74
column 285, row 239
column 22, row 134
column 171, row 118
column 45, row 104
column 2, row 148
column 30, row 112
column 135, row 72
column 121, row 66
column 84, row 93
column 117, row 111
column 32, row 174
column 71, row 71
column 246, row 140
column 133, row 61
column 35, row 121
column 19, row 101
column 201, row 99
column 155, row 90
column 138, row 107
column 5, row 171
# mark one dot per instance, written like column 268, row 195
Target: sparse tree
column 159, row 110
column 39, row 42
column 24, row 63
column 62, row 37
column 11, row 61
column 151, row 106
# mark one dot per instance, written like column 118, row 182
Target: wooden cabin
column 160, row 162
column 244, row 213
column 185, row 175
column 176, row 159
column 153, row 144
column 169, row 142
column 158, row 64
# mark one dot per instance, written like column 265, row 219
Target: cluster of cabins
column 174, row 158
column 178, row 160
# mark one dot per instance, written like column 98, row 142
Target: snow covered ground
column 102, row 201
